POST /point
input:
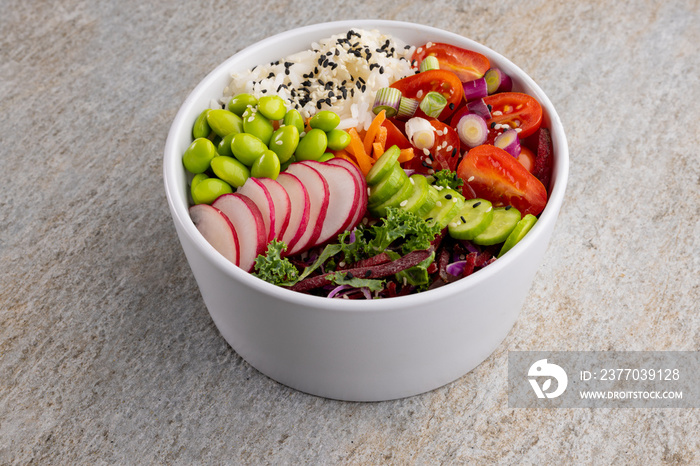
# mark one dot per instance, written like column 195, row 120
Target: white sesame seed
column 403, row 203
column 471, row 178
column 426, row 151
column 438, row 203
column 412, row 181
column 279, row 143
column 449, row 148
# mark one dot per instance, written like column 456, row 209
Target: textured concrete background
column 107, row 353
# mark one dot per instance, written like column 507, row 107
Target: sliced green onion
column 407, row 108
column 429, row 63
column 388, row 99
column 433, row 103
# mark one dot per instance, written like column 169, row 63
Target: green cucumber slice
column 518, row 233
column 503, row 223
column 383, row 166
column 449, row 203
column 419, row 193
column 386, row 188
column 433, row 196
column 472, row 219
column 394, row 201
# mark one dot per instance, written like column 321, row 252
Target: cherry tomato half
column 444, row 154
column 446, row 83
column 395, row 136
column 493, row 174
column 516, row 110
column 466, row 64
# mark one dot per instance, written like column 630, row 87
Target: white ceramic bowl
column 359, row 350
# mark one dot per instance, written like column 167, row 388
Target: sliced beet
column 544, row 157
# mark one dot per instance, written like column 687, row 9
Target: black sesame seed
column 350, row 276
column 508, row 207
column 452, row 106
column 462, row 219
column 425, row 164
column 368, row 273
column 286, row 71
column 448, row 196
column 493, row 124
column 476, row 204
column 454, row 152
column 381, row 70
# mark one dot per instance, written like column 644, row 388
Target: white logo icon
column 542, row 368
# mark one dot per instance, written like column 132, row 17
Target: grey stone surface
column 107, row 353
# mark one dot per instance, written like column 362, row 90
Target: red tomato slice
column 445, row 82
column 517, row 110
column 444, row 154
column 493, row 174
column 394, row 136
column 527, row 159
column 466, row 64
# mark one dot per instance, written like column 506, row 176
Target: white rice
column 341, row 73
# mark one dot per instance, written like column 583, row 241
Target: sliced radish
column 217, row 230
column 357, row 173
column 300, row 209
column 343, row 198
column 280, row 199
column 248, row 223
column 258, row 193
column 317, row 187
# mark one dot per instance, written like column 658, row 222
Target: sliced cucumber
column 474, row 217
column 419, row 193
column 386, row 188
column 430, row 201
column 449, row 203
column 503, row 223
column 383, row 166
column 394, row 201
column 518, row 233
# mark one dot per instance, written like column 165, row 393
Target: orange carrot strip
column 405, row 155
column 382, row 136
column 377, row 150
column 357, row 148
column 373, row 130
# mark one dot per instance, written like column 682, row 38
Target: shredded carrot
column 343, row 154
column 373, row 130
column 405, row 155
column 357, row 149
column 377, row 150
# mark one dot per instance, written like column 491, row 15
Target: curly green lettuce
column 273, row 268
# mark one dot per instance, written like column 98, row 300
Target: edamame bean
column 198, row 155
column 326, row 157
column 294, row 118
column 209, row 189
column 223, row 122
column 272, row 107
column 224, row 147
column 338, row 139
column 240, row 102
column 312, row 145
column 284, row 142
column 257, row 124
column 325, row 120
column 230, row 170
column 247, row 148
column 201, row 128
column 266, row 166
column 195, row 181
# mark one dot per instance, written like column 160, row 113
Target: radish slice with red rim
column 317, row 187
column 363, row 196
column 217, row 230
column 282, row 205
column 343, row 198
column 258, row 193
column 248, row 223
column 300, row 209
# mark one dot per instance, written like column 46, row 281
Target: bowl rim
column 180, row 214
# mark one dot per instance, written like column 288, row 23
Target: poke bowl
column 373, row 349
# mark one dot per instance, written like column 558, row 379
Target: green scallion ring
column 388, row 99
column 433, row 103
column 407, row 108
column 429, row 63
